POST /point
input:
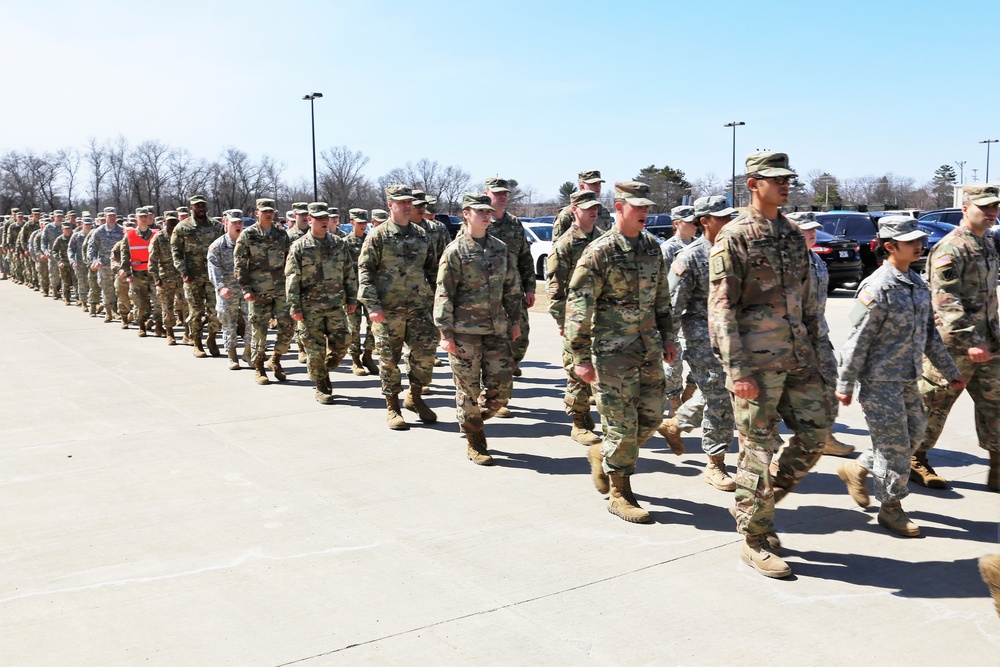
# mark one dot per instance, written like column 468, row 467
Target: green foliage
column 565, row 190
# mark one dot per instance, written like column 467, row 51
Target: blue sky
column 528, row 90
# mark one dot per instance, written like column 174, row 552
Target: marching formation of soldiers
column 739, row 302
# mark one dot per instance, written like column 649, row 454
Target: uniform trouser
column 519, row 347
column 228, row 312
column 416, row 329
column 140, row 294
column 81, row 281
column 42, row 267
column 799, row 398
column 94, row 282
column 4, row 263
column 354, row 321
column 66, row 280
column 482, row 368
column 631, row 400
column 200, row 297
column 121, row 291
column 262, row 309
column 109, row 298
column 897, row 421
column 717, row 421
column 55, row 276
column 673, row 375
column 982, row 383
column 578, row 392
column 320, row 332
column 170, row 296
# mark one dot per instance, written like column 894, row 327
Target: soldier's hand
column 845, row 399
column 187, row 279
column 586, row 372
column 377, row 316
column 225, row 293
column 130, row 279
column 958, row 383
column 979, row 354
column 351, row 307
column 158, row 283
column 248, row 296
column 297, row 316
column 746, row 388
column 448, row 345
column 669, row 352
column 515, row 332
column 529, row 298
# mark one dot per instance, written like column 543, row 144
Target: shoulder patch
column 942, row 261
column 717, row 248
column 866, row 297
column 678, row 268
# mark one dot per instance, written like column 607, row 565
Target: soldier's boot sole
column 622, row 502
column 853, row 475
column 597, row 474
column 756, row 553
column 671, row 432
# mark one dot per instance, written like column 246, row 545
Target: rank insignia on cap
column 865, row 298
column 678, row 268
column 944, row 261
column 717, row 248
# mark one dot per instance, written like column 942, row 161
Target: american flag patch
column 865, row 298
column 717, row 248
column 944, row 261
column 678, row 268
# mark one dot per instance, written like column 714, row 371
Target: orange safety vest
column 138, row 249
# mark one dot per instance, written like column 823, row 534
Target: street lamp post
column 988, row 142
column 732, row 183
column 312, row 97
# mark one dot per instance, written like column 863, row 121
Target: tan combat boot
column 170, row 336
column 582, row 430
column 834, row 447
column 302, row 354
column 93, row 310
column 142, row 329
column 476, row 449
column 622, row 503
column 107, row 316
column 717, row 475
column 369, row 363
column 414, row 402
column 758, row 554
column 260, row 375
column 922, row 473
column 503, row 412
column 597, row 473
column 324, row 392
column 234, row 360
column 275, row 365
column 158, row 331
column 854, row 477
column 393, row 416
column 669, row 429
column 356, row 366
column 212, row 345
column 989, row 569
column 993, row 476
column 199, row 349
column 125, row 321
column 892, row 517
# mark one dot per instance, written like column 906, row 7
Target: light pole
column 961, row 170
column 734, row 125
column 312, row 97
column 988, row 142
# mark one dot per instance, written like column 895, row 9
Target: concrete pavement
column 161, row 509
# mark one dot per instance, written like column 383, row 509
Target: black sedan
column 842, row 257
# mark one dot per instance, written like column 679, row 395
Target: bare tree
column 341, row 181
column 187, row 177
column 44, row 171
column 455, row 182
column 117, row 153
column 68, row 161
column 149, row 172
column 99, row 164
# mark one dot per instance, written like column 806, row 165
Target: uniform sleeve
column 126, row 254
column 810, row 311
column 350, row 277
column 526, row 266
column 90, row 247
column 727, row 271
column 867, row 320
column 958, row 326
column 215, row 267
column 682, row 280
column 368, row 262
column 241, row 261
column 937, row 351
column 585, row 284
column 559, row 270
column 562, row 222
column 664, row 314
column 154, row 256
column 513, row 297
column 293, row 281
column 449, row 272
column 178, row 252
column 431, row 262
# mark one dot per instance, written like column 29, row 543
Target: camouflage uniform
column 121, row 286
column 170, row 291
column 320, row 279
column 79, row 264
column 763, row 323
column 60, row 252
column 140, row 290
column 104, row 238
column 221, row 273
column 618, row 318
column 893, row 328
column 93, row 276
column 260, row 266
column 478, row 296
column 354, row 244
column 189, row 247
column 23, row 235
column 674, row 373
column 50, row 233
column 395, row 272
column 38, row 259
column 689, row 287
column 564, row 220
column 10, row 235
column 510, row 230
column 963, row 282
column 562, row 260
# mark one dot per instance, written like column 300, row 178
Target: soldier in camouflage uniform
column 320, row 280
column 166, row 278
column 27, row 229
column 60, row 250
column 588, row 180
column 395, row 272
column 260, row 270
column 135, row 266
column 79, row 261
column 38, row 258
column 50, row 232
column 10, row 232
column 508, row 228
column 361, row 363
column 300, row 211
column 893, row 328
column 189, row 248
column 689, row 286
column 378, row 217
column 565, row 253
column 620, row 331
column 5, row 221
column 93, row 276
column 99, row 257
column 685, row 229
column 477, row 300
column 763, row 323
column 125, row 305
column 229, row 301
column 963, row 281
column 436, row 232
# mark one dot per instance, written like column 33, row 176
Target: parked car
column 660, row 225
column 842, row 257
column 950, row 215
column 452, row 222
column 857, row 226
column 541, row 220
column 539, row 235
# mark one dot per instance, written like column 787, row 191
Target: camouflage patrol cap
column 170, row 215
column 87, row 221
column 36, row 211
column 683, row 213
column 358, row 215
column 144, row 210
column 333, row 211
column 198, row 199
column 804, row 220
column 768, row 164
column 318, row 209
column 379, row 215
column 716, row 206
column 108, row 210
column 66, row 224
column 584, row 199
column 265, row 204
column 399, row 192
column 419, row 198
column 183, row 209
column 477, row 202
column 233, row 215
column 899, row 228
column 982, row 194
column 432, row 204
column 15, row 210
column 634, row 193
column 71, row 212
column 58, row 212
column 216, row 219
column 591, row 176
column 300, row 208
column 495, row 184
column 131, row 217
column 158, row 219
column 131, row 223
